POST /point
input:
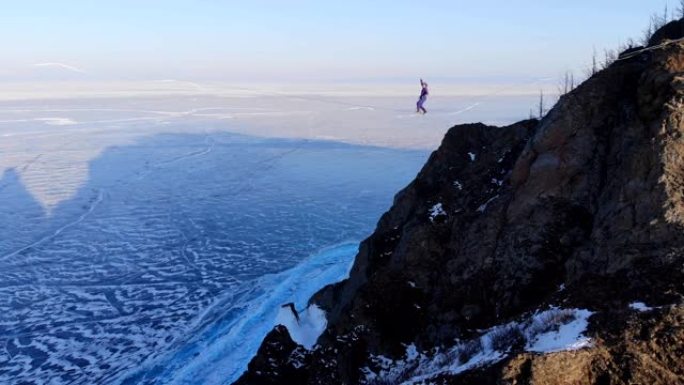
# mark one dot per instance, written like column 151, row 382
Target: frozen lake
column 150, row 239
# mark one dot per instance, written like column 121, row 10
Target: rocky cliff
column 545, row 252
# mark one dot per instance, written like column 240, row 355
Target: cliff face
column 511, row 234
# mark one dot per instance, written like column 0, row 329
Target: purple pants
column 419, row 104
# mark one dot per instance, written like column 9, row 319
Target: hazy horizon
column 312, row 42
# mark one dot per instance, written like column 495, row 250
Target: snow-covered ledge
column 305, row 330
column 548, row 331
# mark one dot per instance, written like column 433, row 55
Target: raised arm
column 422, row 83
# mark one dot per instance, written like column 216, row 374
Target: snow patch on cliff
column 548, row 331
column 483, row 207
column 568, row 336
column 305, row 330
column 640, row 307
column 436, row 211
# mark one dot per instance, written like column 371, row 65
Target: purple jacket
column 424, row 91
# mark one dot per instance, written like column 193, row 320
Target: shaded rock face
column 421, row 261
column 671, row 31
column 590, row 199
column 278, row 361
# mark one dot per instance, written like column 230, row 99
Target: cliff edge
column 545, row 252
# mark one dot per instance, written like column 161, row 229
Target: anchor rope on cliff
column 638, row 52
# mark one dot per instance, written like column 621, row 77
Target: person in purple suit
column 423, row 96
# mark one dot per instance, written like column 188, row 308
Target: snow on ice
column 119, row 198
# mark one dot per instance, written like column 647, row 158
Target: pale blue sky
column 271, row 40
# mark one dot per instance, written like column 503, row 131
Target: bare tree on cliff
column 594, row 65
column 567, row 84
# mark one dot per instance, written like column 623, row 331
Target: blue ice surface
column 168, row 263
column 220, row 353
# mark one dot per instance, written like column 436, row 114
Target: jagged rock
column 278, row 361
column 590, row 199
